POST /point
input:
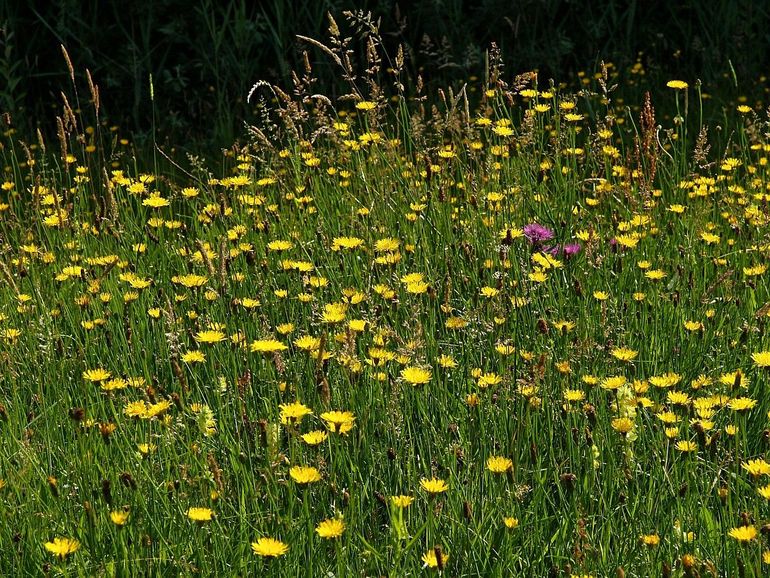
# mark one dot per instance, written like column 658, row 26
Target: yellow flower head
column 210, row 336
column 401, row 501
column 499, row 464
column 756, row 467
column 624, row 354
column 511, row 523
column 339, row 421
column 743, row 533
column 96, row 375
column 435, row 558
column 677, row 84
column 269, row 547
column 304, row 474
column 315, row 437
column 332, row 528
column 416, row 375
column 119, row 517
column 434, row 485
column 622, row 425
column 200, row 514
column 293, row 412
column 62, row 547
column 761, row 358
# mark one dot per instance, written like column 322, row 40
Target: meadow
column 513, row 328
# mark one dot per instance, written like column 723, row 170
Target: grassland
column 521, row 334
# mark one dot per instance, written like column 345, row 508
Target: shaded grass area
column 202, row 57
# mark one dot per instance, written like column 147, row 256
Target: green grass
column 671, row 266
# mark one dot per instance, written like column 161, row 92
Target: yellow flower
column 622, row 425
column 386, row 245
column 200, row 514
column 332, row 528
column 665, row 380
column 503, row 131
column 742, row 403
column 693, row 326
column 156, row 409
column 266, row 346
column 677, row 84
column 304, row 474
column 338, row 421
column 564, row 326
column 511, row 523
column 357, row 325
column 624, row 354
column 155, row 201
column 488, row 379
column 194, row 357
column 761, row 359
column 366, row 105
column 119, row 517
column 307, row 342
column 655, row 274
column 434, row 485
column 650, row 540
column 269, row 547
column 455, row 323
column 315, row 437
column 743, row 533
column 678, row 398
column 401, row 501
column 628, row 241
column 416, row 375
column 346, row 243
column 189, row 281
column 574, row 395
column 756, row 467
column 499, row 464
column 686, row 446
column 764, row 492
column 736, row 378
column 293, row 412
column 433, row 560
column 62, row 547
column 280, row 245
column 283, row 328
column 96, row 375
column 612, row 383
column 334, row 312
column 667, row 417
column 210, row 336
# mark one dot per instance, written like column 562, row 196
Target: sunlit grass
column 529, row 341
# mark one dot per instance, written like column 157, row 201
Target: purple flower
column 536, row 233
column 571, row 249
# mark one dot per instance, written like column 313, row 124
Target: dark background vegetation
column 204, row 55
